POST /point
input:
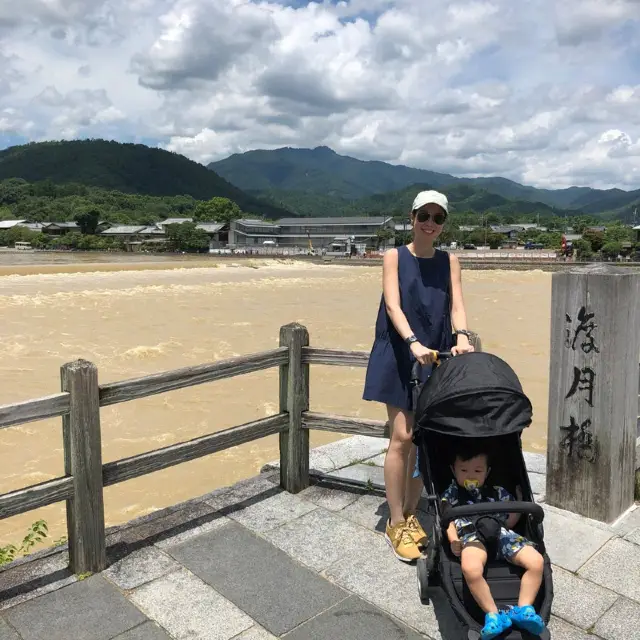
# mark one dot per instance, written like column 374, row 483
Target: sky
column 544, row 92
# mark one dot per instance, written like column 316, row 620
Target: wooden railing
column 86, row 476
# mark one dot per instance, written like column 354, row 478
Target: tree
column 617, row 233
column 476, row 237
column 217, row 210
column 583, row 249
column 612, row 249
column 403, row 237
column 494, row 240
column 595, row 239
column 383, row 236
column 186, row 237
column 88, row 221
column 12, row 191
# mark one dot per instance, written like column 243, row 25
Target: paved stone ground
column 251, row 562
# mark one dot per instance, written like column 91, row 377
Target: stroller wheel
column 422, row 571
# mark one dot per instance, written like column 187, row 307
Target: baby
column 470, row 470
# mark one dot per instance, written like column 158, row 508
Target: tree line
column 47, row 201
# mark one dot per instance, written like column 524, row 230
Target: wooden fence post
column 294, row 399
column 593, row 390
column 83, row 461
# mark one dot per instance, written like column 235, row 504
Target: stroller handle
column 451, row 513
column 417, row 367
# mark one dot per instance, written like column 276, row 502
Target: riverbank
column 46, row 262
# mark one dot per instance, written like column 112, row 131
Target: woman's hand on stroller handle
column 450, row 514
column 422, row 354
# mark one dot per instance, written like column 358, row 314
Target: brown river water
column 138, row 315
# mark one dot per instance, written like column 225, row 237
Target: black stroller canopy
column 473, row 395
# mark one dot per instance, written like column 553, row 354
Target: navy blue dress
column 425, row 300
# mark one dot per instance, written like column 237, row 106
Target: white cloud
column 546, row 93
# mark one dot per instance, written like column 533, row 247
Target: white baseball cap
column 426, row 197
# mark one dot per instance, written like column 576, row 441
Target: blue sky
column 545, row 93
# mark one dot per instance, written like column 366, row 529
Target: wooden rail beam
column 35, row 496
column 125, row 390
column 32, row 410
column 149, row 462
column 311, row 355
column 345, row 424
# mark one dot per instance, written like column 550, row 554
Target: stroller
column 475, row 397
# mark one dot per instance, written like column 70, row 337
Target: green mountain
column 127, row 168
column 313, row 180
column 463, row 198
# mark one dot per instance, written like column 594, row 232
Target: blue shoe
column 526, row 618
column 494, row 625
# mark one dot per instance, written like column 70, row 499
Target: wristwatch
column 411, row 339
column 463, row 332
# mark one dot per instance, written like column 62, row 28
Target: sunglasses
column 424, row 216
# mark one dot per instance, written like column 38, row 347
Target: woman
column 421, row 305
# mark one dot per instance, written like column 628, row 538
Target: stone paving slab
column 621, row 622
column 260, row 505
column 267, row 514
column 146, row 631
column 374, row 574
column 378, row 460
column 208, row 524
column 320, row 538
column 328, row 498
column 160, row 526
column 538, row 483
column 370, row 511
column 576, row 517
column 629, row 522
column 579, row 601
column 272, row 588
column 570, row 542
column 255, row 633
column 361, row 473
column 535, row 462
column 634, row 536
column 6, row 632
column 561, row 630
column 140, row 567
column 363, row 622
column 617, row 567
column 340, row 453
column 26, row 580
column 189, row 609
column 90, row 609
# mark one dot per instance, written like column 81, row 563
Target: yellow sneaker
column 416, row 531
column 401, row 542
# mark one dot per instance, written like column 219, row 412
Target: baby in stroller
column 474, row 539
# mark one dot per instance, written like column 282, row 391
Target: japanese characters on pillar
column 593, row 383
column 578, row 439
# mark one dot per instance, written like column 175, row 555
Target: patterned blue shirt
column 452, row 497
